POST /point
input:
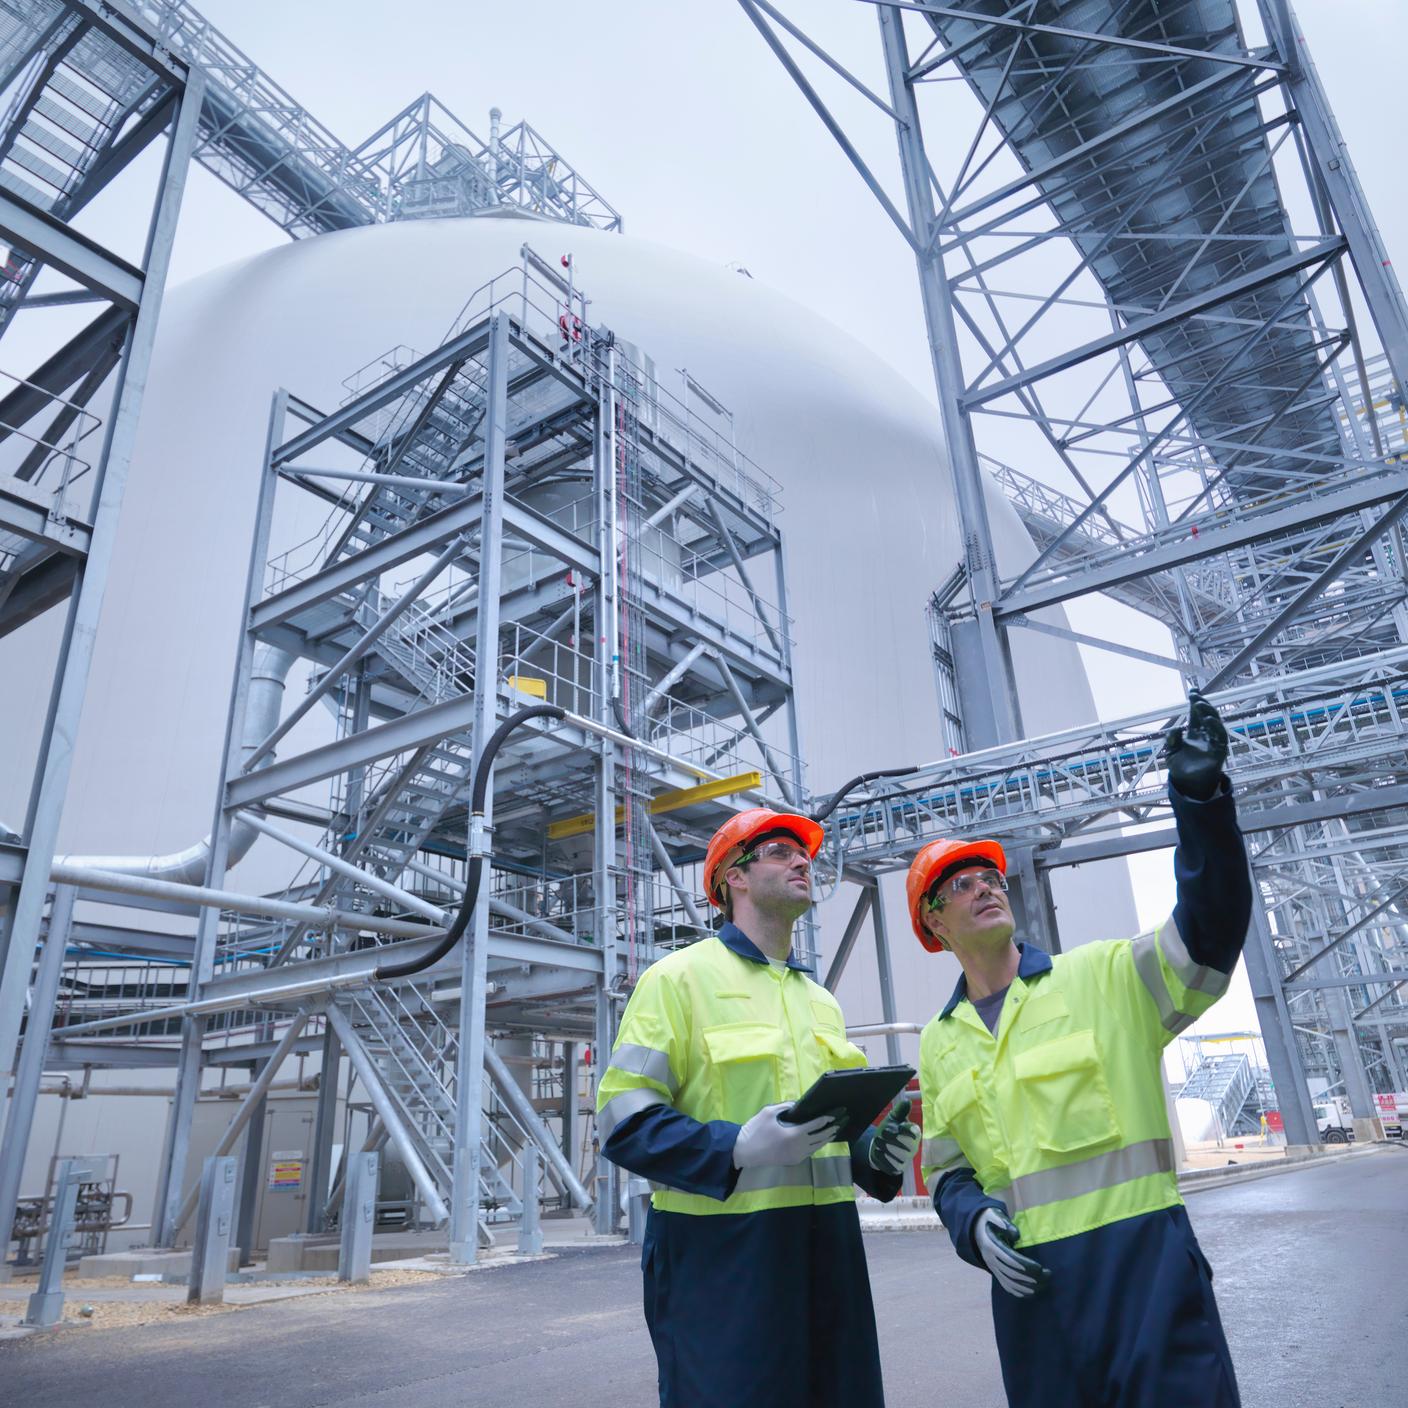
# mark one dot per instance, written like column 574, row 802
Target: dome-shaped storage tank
column 868, row 520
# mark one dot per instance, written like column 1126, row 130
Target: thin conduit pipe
column 475, row 875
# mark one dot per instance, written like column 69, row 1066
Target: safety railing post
column 210, row 1254
column 46, row 1305
column 354, row 1259
column 530, row 1231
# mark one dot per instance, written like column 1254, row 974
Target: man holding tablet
column 756, row 1290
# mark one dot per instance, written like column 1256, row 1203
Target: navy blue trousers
column 1127, row 1321
column 762, row 1310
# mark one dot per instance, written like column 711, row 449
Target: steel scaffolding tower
column 1145, row 261
column 525, row 514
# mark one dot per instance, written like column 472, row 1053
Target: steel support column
column 474, row 956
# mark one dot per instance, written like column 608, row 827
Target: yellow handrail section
column 665, row 802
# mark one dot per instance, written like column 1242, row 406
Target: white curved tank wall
column 867, row 517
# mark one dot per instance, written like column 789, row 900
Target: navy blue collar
column 732, row 937
column 1032, row 962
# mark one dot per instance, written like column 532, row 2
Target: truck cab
column 1334, row 1123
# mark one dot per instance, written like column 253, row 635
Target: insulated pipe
column 522, row 1107
column 381, row 1103
column 268, row 676
column 241, row 1117
column 119, row 883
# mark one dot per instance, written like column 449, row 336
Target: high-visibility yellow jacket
column 1061, row 1115
column 715, row 1032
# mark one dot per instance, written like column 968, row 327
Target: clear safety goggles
column 966, row 882
column 774, row 850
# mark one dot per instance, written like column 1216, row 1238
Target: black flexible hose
column 476, row 863
column 835, row 799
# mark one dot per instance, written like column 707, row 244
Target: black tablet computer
column 862, row 1094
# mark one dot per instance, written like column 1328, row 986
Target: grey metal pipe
column 511, row 1093
column 120, row 883
column 386, row 1112
column 257, row 1090
column 267, row 680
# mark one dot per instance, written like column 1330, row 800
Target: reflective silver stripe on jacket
column 645, row 1061
column 623, row 1106
column 831, row 1171
column 1146, row 964
column 942, row 1154
column 1056, row 1185
column 1198, row 977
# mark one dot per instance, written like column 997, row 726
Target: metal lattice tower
column 1145, row 264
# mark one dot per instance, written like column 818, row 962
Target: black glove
column 1197, row 753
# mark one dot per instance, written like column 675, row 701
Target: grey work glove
column 895, row 1141
column 1196, row 753
column 995, row 1239
column 765, row 1139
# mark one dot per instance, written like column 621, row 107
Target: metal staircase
column 74, row 96
column 1226, row 1083
column 414, row 1050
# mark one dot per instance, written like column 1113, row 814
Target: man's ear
column 740, row 872
column 934, row 925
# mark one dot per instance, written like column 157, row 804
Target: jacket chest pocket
column 1064, row 1094
column 745, row 1069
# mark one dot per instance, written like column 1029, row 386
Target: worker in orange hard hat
column 756, row 1291
column 1046, row 1137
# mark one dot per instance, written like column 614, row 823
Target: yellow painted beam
column 665, row 802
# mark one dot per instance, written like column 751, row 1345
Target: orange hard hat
column 732, row 838
column 928, row 867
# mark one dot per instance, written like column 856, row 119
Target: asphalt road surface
column 1312, row 1279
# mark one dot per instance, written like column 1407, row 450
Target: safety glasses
column 774, row 850
column 966, row 882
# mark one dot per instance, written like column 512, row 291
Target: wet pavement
column 1311, row 1279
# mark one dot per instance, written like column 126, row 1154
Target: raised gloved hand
column 895, row 1141
column 765, row 1139
column 995, row 1239
column 1197, row 752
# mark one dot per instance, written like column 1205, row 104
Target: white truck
column 1333, row 1119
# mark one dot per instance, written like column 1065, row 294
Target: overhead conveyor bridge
column 1342, row 731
